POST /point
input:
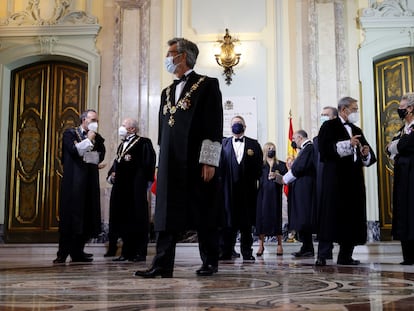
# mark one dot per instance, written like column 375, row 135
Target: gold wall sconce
column 227, row 58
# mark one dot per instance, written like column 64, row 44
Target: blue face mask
column 237, row 128
column 169, row 64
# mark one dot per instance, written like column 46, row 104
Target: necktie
column 239, row 139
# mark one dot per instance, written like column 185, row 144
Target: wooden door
column 46, row 99
column 393, row 78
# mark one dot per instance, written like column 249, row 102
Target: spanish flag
column 291, row 153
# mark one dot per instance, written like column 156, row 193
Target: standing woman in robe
column 269, row 199
column 401, row 149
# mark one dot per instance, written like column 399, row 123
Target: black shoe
column 120, row 258
column 59, row 259
column 320, row 262
column 348, row 262
column 154, row 272
column 407, row 263
column 138, row 258
column 249, row 258
column 260, row 253
column 206, row 270
column 82, row 259
column 303, row 254
column 87, row 255
column 235, row 254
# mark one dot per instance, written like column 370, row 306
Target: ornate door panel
column 393, row 78
column 46, row 99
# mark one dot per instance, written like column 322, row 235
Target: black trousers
column 307, row 241
column 134, row 244
column 71, row 244
column 325, row 249
column 228, row 238
column 407, row 247
column 166, row 243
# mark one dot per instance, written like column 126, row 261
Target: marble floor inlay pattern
column 29, row 281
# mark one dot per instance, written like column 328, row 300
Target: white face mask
column 353, row 117
column 324, row 118
column 122, row 131
column 93, row 126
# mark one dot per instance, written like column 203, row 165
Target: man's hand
column 207, row 172
column 355, row 141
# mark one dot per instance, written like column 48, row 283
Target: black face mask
column 402, row 113
column 271, row 153
column 294, row 145
column 237, row 128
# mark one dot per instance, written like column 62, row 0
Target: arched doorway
column 46, row 98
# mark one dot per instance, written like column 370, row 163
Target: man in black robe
column 83, row 151
column 132, row 172
column 327, row 113
column 302, row 180
column 190, row 133
column 344, row 151
column 241, row 167
column 401, row 149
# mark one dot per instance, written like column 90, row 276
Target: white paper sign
column 244, row 106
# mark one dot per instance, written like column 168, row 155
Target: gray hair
column 187, row 47
column 409, row 97
column 334, row 111
column 345, row 102
column 302, row 133
column 84, row 114
column 132, row 123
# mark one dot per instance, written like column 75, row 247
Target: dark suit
column 184, row 200
column 240, row 186
column 80, row 208
column 134, row 169
column 342, row 216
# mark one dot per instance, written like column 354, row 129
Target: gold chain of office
column 183, row 104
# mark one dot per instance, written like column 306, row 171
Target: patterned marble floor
column 29, row 281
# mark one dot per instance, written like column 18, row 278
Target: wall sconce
column 227, row 58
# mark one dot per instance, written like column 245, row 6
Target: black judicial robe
column 184, row 200
column 134, row 170
column 240, row 206
column 269, row 202
column 403, row 196
column 302, row 204
column 80, row 207
column 342, row 216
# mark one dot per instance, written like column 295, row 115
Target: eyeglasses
column 171, row 52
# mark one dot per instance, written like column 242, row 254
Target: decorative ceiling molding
column 388, row 8
column 61, row 16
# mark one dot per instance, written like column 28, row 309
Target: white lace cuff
column 210, row 152
column 84, row 146
column 392, row 148
column 344, row 148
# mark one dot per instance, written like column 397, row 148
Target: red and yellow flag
column 291, row 153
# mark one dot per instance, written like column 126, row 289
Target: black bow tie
column 241, row 139
column 347, row 123
column 127, row 139
column 182, row 79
